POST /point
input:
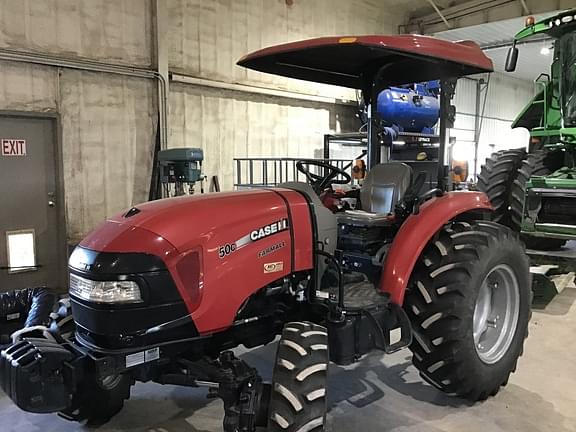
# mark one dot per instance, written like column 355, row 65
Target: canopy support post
column 447, row 118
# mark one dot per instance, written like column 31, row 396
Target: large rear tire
column 534, row 165
column 496, row 178
column 298, row 402
column 469, row 303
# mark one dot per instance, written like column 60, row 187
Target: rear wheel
column 298, row 402
column 469, row 303
column 534, row 165
column 496, row 178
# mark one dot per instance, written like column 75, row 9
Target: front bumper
column 550, row 208
column 46, row 376
column 39, row 375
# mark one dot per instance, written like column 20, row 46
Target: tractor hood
column 183, row 222
column 219, row 248
column 353, row 61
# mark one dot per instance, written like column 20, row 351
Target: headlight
column 105, row 291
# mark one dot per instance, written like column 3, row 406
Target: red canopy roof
column 352, row 61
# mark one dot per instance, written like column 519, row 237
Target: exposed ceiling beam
column 475, row 12
column 525, row 7
column 440, row 13
column 509, row 43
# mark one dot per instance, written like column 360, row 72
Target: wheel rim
column 496, row 314
column 110, row 382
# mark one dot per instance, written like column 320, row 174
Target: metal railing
column 270, row 172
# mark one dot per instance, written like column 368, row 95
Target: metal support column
column 326, row 146
column 447, row 117
column 161, row 50
column 374, row 149
column 481, row 89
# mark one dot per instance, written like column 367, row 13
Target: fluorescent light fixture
column 399, row 142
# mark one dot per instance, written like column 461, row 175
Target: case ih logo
column 13, row 147
column 255, row 235
column 269, row 230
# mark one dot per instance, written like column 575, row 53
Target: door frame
column 61, row 228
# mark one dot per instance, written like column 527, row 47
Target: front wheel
column 298, row 402
column 469, row 303
column 100, row 398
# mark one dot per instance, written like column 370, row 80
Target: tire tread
column 439, row 325
column 534, row 165
column 496, row 178
column 304, row 383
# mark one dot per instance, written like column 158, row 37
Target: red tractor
column 163, row 291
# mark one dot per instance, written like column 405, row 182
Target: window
column 21, row 251
column 568, row 87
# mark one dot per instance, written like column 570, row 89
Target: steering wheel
column 319, row 182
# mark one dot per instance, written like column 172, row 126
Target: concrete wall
column 108, row 122
column 118, row 31
column 108, row 125
column 208, row 38
column 228, row 124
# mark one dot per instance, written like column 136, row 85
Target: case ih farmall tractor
column 534, row 192
column 163, row 291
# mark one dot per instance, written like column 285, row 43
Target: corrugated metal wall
column 506, row 98
column 208, row 38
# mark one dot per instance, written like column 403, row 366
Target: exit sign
column 13, row 147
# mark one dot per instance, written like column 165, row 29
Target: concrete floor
column 379, row 394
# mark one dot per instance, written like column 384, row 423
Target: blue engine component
column 414, row 108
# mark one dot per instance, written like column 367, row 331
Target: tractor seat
column 384, row 187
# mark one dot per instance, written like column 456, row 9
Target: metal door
column 32, row 238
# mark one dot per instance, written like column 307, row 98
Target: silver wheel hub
column 110, row 382
column 496, row 314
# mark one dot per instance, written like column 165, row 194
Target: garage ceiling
column 420, row 8
column 423, row 7
column 531, row 62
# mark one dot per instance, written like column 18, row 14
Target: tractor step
column 383, row 326
column 358, row 291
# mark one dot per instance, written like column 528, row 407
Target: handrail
column 270, row 171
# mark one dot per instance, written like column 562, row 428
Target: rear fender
column 417, row 231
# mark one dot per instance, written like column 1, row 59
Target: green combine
column 534, row 191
